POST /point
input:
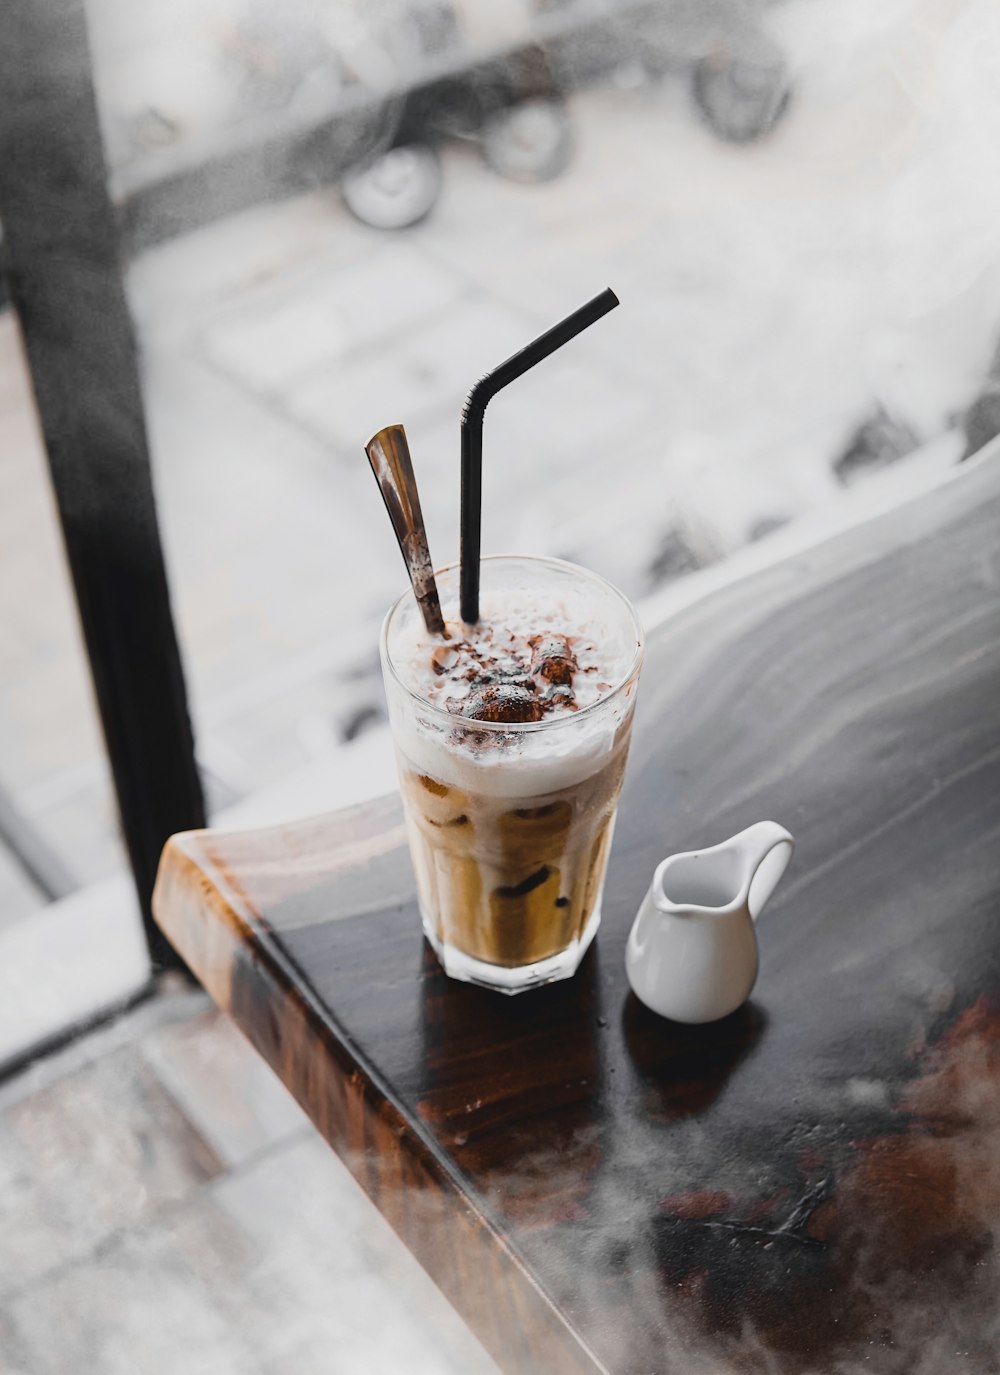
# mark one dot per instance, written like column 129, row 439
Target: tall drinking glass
column 510, row 823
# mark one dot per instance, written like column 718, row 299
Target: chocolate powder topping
column 504, row 702
column 552, row 658
column 505, row 677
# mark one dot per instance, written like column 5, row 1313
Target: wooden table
column 812, row 1184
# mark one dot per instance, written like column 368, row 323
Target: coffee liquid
column 511, row 880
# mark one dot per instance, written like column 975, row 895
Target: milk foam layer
column 512, row 767
column 520, row 601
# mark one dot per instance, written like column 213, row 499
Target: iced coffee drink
column 511, row 739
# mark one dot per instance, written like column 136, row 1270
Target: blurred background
column 333, row 216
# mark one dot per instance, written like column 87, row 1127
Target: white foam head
column 520, row 598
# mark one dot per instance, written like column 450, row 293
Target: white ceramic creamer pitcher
column 692, row 951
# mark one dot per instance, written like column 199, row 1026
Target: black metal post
column 66, row 284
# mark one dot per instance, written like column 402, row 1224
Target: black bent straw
column 472, row 434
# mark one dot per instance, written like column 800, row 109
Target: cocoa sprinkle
column 552, row 658
column 522, row 680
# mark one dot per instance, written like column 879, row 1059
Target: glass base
column 518, row 980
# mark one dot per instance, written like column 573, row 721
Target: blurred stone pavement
column 165, row 1206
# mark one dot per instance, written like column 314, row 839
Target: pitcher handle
column 768, row 848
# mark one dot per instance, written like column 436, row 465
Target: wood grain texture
column 812, row 1184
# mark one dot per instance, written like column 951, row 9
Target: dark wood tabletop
column 810, row 1185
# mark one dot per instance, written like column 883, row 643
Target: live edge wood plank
column 812, row 1184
